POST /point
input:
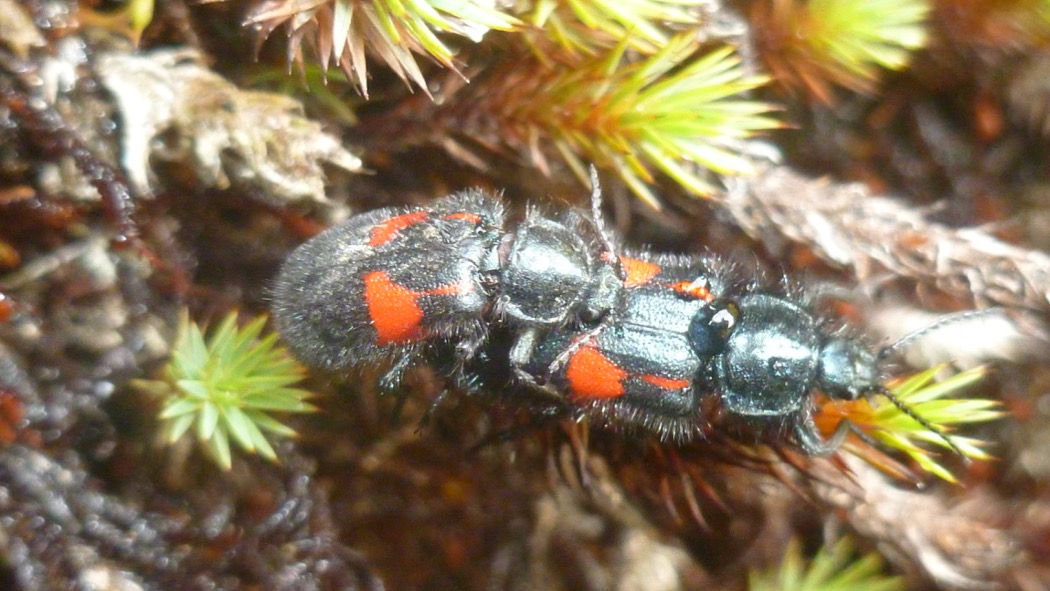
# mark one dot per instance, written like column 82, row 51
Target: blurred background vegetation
column 159, row 160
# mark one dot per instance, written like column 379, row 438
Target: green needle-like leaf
column 814, row 44
column 925, row 398
column 669, row 112
column 223, row 387
column 588, row 27
column 391, row 29
column 833, row 569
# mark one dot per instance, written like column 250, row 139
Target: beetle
column 401, row 285
column 630, row 339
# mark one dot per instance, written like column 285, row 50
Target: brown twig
column 848, row 225
column 959, row 546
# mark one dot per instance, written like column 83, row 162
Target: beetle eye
column 724, row 320
column 711, row 327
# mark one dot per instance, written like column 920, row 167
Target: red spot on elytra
column 395, row 310
column 638, row 272
column 667, row 383
column 465, row 216
column 642, row 272
column 694, row 289
column 593, row 375
column 387, row 231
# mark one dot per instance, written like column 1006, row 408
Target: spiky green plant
column 680, row 115
column 224, row 388
column 926, row 398
column 834, row 568
column 589, row 26
column 394, row 30
column 814, row 44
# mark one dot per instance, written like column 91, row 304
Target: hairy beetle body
column 634, row 340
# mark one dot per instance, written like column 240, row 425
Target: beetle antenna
column 937, row 325
column 904, row 408
column 599, row 223
column 596, row 207
column 910, row 338
column 596, row 188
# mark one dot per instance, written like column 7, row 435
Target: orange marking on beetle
column 450, row 289
column 386, row 231
column 694, row 289
column 394, row 310
column 638, row 272
column 666, row 383
column 593, row 375
column 465, row 216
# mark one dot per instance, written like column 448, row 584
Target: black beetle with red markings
column 408, row 285
column 632, row 341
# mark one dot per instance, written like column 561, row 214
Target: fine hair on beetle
column 632, row 340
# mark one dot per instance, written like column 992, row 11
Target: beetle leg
column 809, row 437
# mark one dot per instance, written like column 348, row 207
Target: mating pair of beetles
column 631, row 340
